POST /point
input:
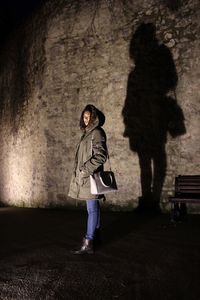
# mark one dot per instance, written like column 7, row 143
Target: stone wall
column 72, row 53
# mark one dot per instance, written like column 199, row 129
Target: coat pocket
column 83, row 179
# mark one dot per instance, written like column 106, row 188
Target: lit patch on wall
column 16, row 172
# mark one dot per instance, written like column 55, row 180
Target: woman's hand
column 83, row 173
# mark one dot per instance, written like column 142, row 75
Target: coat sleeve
column 99, row 152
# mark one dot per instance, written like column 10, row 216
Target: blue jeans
column 93, row 221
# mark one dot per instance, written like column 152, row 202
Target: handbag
column 103, row 182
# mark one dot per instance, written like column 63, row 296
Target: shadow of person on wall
column 149, row 112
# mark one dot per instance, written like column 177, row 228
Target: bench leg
column 175, row 212
column 178, row 210
column 183, row 209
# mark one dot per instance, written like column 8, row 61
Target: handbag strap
column 108, row 156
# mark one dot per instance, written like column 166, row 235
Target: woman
column 90, row 156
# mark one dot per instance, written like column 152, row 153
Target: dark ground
column 142, row 257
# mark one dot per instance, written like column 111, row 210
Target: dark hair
column 93, row 114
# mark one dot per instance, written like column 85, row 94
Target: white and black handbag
column 103, row 182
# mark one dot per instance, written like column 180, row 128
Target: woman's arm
column 99, row 152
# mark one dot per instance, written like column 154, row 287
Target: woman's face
column 86, row 118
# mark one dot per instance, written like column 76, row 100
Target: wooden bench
column 187, row 190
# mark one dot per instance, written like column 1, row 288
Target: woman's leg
column 93, row 221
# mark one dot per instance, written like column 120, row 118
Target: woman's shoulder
column 98, row 132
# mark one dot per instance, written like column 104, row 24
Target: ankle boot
column 86, row 248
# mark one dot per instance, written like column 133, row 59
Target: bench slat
column 184, row 200
column 187, row 188
column 188, row 191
